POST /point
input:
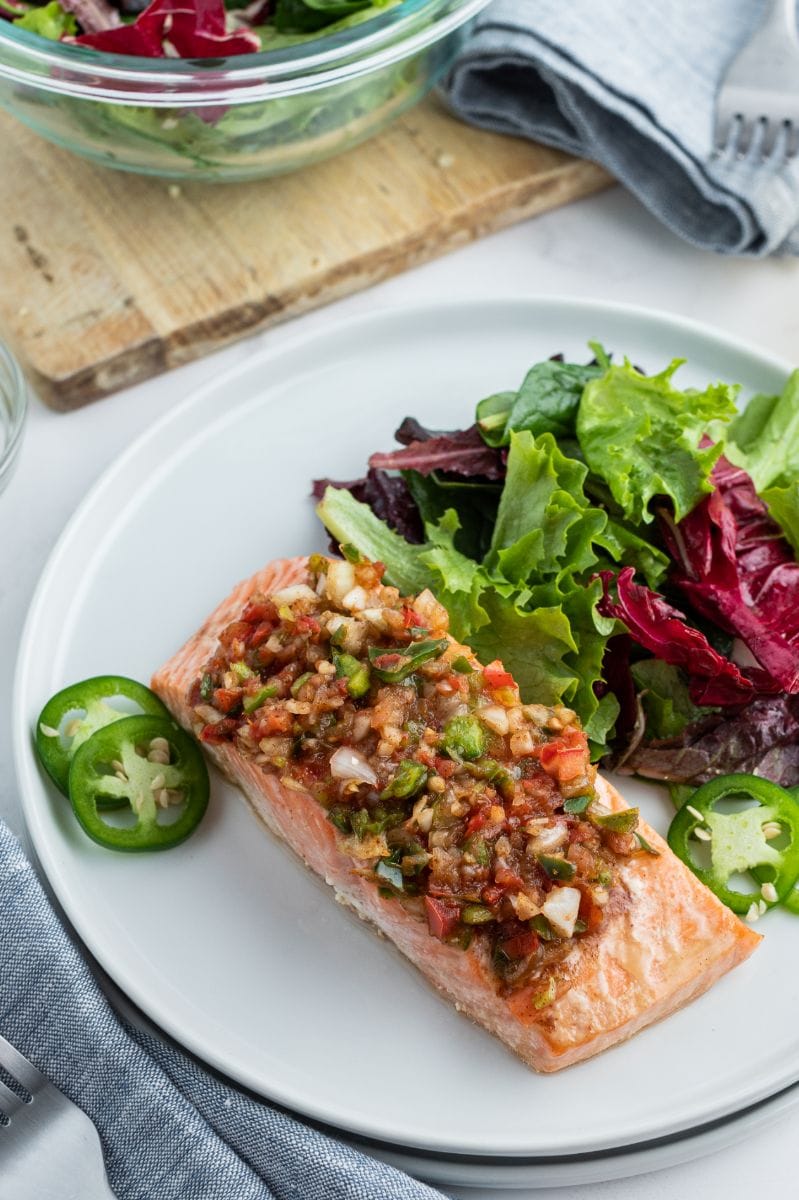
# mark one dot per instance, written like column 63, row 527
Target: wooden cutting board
column 107, row 279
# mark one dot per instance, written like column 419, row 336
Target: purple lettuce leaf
column 760, row 739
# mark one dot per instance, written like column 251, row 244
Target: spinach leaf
column 547, row 401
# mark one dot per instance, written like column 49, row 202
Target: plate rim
column 24, row 758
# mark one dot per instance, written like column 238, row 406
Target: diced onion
column 340, row 580
column 290, row 595
column 210, row 715
column 347, row 763
column 495, row 717
column 355, row 599
column 561, row 908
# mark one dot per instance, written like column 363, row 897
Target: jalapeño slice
column 114, row 764
column 740, row 842
column 71, row 717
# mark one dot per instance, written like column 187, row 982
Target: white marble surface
column 607, row 248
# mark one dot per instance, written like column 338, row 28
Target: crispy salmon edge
column 665, row 940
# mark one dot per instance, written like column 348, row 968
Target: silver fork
column 49, row 1150
column 757, row 109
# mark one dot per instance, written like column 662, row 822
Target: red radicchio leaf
column 737, row 570
column 175, row 29
column 664, row 631
column 462, row 452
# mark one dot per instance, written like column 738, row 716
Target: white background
column 604, row 248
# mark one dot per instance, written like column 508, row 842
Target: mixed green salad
column 188, row 28
column 625, row 547
column 628, row 549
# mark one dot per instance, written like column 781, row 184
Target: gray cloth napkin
column 631, row 84
column 170, row 1129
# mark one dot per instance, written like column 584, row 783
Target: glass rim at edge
column 18, row 407
column 238, row 84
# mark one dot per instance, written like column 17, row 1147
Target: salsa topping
column 475, row 811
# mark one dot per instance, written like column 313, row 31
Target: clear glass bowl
column 235, row 118
column 13, row 410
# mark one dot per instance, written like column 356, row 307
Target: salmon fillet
column 665, row 938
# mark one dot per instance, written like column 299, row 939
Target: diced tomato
column 476, row 821
column 445, row 767
column 237, row 631
column 261, row 633
column 451, row 684
column 581, row 831
column 409, row 617
column 220, row 732
column 274, row 720
column 226, row 699
column 521, row 944
column 442, row 919
column 496, row 676
column 379, row 569
column 307, row 624
column 565, row 758
column 508, row 880
column 491, row 895
column 259, row 610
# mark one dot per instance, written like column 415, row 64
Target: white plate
column 227, row 942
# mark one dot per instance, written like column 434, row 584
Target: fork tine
column 18, row 1066
column 791, row 139
column 747, row 130
column 9, row 1101
column 774, row 133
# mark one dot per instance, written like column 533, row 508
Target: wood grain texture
column 122, row 277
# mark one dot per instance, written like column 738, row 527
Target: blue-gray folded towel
column 171, row 1130
column 632, row 84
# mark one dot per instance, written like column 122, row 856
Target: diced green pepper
column 623, row 821
column 242, row 671
column 268, row 692
column 464, row 738
column 462, row 665
column 350, row 552
column 206, row 687
column 479, row 849
column 391, row 873
column 542, row 927
column 576, row 804
column 393, row 665
column 495, row 774
column 297, row 684
column 359, row 822
column 355, row 672
column 545, row 998
column 476, row 914
column 339, row 815
column 409, row 780
column 412, row 864
column 557, row 868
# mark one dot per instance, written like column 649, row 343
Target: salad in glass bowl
column 217, row 89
